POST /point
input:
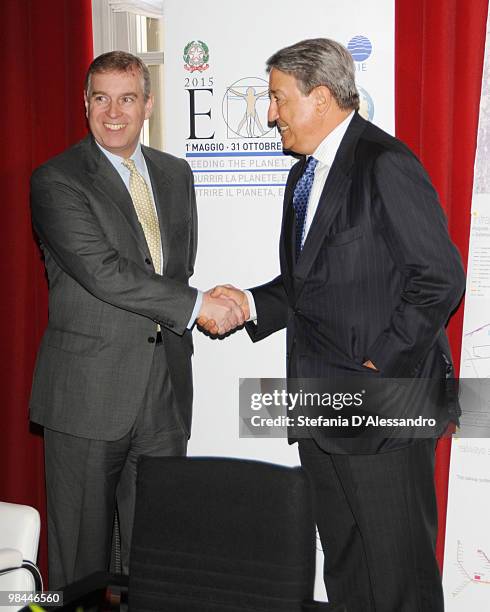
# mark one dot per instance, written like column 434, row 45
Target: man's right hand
column 230, row 293
column 220, row 313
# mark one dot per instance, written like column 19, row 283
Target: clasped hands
column 223, row 309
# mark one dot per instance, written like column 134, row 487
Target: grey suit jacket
column 105, row 299
column 378, row 276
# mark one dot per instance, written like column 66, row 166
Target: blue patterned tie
column 300, row 200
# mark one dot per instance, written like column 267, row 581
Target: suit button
column 147, row 261
column 151, row 340
column 297, row 311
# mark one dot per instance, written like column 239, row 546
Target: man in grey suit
column 369, row 278
column 117, row 225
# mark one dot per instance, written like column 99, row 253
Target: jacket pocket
column 72, row 342
column 353, row 233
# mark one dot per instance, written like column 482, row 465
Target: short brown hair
column 119, row 61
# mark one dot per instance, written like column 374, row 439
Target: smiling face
column 297, row 116
column 116, row 110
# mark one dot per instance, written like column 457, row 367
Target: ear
column 323, row 99
column 85, row 102
column 149, row 106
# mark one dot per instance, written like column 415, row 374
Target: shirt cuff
column 197, row 308
column 251, row 305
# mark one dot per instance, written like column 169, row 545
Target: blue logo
column 360, row 48
column 366, row 105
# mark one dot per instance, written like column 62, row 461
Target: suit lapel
column 163, row 196
column 334, row 196
column 287, row 241
column 331, row 200
column 106, row 180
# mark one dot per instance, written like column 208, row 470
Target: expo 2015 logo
column 245, row 106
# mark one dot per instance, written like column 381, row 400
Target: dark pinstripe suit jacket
column 378, row 276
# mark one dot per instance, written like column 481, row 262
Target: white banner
column 216, row 117
column 467, row 554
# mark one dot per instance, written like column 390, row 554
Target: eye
column 102, row 100
column 127, row 100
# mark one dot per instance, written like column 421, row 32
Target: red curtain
column 45, row 48
column 439, row 50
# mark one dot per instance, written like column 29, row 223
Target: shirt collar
column 327, row 150
column 116, row 160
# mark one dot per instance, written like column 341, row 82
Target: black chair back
column 221, row 535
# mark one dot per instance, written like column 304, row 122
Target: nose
column 113, row 109
column 272, row 113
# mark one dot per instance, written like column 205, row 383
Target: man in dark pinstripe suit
column 370, row 290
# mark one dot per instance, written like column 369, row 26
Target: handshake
column 223, row 309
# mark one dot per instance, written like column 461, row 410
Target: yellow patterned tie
column 145, row 210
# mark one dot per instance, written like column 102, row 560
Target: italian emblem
column 196, row 56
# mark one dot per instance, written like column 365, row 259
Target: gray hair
column 320, row 61
column 119, row 61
